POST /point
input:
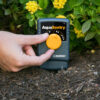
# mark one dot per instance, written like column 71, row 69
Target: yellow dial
column 54, row 41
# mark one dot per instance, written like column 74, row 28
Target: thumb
column 32, row 39
column 37, row 60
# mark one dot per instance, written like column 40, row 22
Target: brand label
column 60, row 56
column 54, row 27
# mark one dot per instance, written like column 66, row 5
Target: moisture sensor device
column 58, row 39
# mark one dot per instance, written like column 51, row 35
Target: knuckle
column 40, row 63
column 18, row 62
column 14, row 69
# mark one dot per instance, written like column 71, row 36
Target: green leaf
column 89, row 36
column 77, row 11
column 15, row 16
column 98, row 32
column 98, row 10
column 31, row 22
column 97, row 2
column 60, row 11
column 93, row 19
column 7, row 12
column 43, row 3
column 28, row 16
column 67, row 6
column 77, row 24
column 98, row 19
column 51, row 15
column 23, row 1
column 40, row 14
column 86, row 26
column 73, row 3
column 1, row 2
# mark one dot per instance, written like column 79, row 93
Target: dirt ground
column 81, row 81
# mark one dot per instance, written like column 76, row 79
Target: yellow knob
column 54, row 41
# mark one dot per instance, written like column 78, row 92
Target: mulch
column 81, row 81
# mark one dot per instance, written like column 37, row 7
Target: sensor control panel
column 58, row 30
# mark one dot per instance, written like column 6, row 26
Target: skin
column 16, row 52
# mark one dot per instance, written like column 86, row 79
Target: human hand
column 16, row 52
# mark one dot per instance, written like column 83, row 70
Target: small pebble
column 92, row 51
column 13, row 99
column 95, row 73
column 93, row 66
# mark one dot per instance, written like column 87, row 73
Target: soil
column 81, row 81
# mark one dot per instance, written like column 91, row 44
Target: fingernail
column 45, row 35
column 52, row 50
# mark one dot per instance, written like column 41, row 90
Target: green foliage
column 74, row 3
column 97, row 2
column 23, row 1
column 84, row 16
column 43, row 3
column 1, row 2
column 89, row 36
column 86, row 26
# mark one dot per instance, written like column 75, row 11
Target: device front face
column 59, row 27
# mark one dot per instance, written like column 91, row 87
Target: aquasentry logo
column 54, row 27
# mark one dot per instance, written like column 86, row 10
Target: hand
column 16, row 52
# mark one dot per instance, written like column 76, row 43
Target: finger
column 38, row 60
column 32, row 39
column 29, row 51
column 3, row 69
column 44, row 57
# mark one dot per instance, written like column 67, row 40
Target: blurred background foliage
column 19, row 16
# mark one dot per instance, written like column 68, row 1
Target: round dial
column 54, row 41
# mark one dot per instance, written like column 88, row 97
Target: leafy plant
column 84, row 16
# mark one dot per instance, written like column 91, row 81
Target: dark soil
column 81, row 81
